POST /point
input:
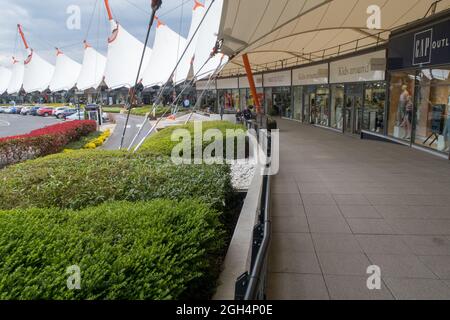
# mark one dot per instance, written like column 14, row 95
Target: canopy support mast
column 251, row 81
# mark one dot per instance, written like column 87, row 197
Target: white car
column 59, row 110
column 76, row 116
column 25, row 111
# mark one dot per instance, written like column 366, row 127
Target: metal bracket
column 258, row 237
column 241, row 286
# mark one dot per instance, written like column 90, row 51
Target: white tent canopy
column 124, row 56
column 182, row 72
column 38, row 73
column 66, row 73
column 167, row 50
column 203, row 65
column 309, row 30
column 92, row 70
column 5, row 78
column 16, row 81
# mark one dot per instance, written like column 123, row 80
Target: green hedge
column 84, row 178
column 156, row 250
column 161, row 142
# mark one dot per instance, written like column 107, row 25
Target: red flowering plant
column 42, row 142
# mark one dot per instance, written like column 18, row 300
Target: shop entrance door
column 353, row 109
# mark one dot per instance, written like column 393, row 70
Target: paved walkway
column 341, row 204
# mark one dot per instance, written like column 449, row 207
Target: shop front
column 208, row 93
column 246, row 98
column 358, row 93
column 277, row 94
column 419, row 68
column 228, row 95
column 311, row 94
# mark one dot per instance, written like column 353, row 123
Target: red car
column 45, row 112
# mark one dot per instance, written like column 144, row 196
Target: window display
column 298, row 103
column 209, row 100
column 226, row 100
column 374, row 105
column 433, row 104
column 401, row 105
column 278, row 101
column 322, row 105
column 337, row 106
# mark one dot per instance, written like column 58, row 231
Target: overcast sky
column 44, row 23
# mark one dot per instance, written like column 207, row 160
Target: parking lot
column 13, row 124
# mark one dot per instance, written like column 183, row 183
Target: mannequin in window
column 446, row 132
column 401, row 111
column 407, row 119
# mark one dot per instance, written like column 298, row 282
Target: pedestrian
column 222, row 111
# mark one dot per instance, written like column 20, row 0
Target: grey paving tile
column 386, row 199
column 313, row 188
column 323, row 211
column 414, row 212
column 282, row 286
column 370, row 226
column 354, row 288
column 440, row 265
column 287, row 211
column 318, row 199
column 284, row 188
column 351, row 199
column 363, row 212
column 428, row 245
column 344, row 263
column 303, row 262
column 420, row 226
column 292, row 243
column 328, row 225
column 286, row 199
column 401, row 266
column 383, row 244
column 418, row 289
column 297, row 224
column 336, row 243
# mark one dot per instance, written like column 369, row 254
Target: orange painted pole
column 108, row 9
column 23, row 36
column 251, row 81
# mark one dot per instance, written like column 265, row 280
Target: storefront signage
column 277, row 79
column 227, row 83
column 204, row 85
column 243, row 81
column 363, row 68
column 310, row 75
column 426, row 47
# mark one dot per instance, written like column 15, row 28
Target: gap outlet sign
column 419, row 48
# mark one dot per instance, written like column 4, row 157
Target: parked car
column 2, row 109
column 67, row 113
column 25, row 111
column 45, row 112
column 78, row 115
column 10, row 110
column 58, row 111
column 34, row 110
column 18, row 109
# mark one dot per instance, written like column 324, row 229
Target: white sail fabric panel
column 304, row 31
column 167, row 50
column 66, row 73
column 38, row 74
column 92, row 70
column 16, row 82
column 182, row 72
column 5, row 78
column 124, row 56
column 207, row 40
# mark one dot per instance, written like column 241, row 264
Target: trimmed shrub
column 84, row 178
column 128, row 251
column 42, row 142
column 161, row 142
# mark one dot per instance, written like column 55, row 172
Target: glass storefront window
column 209, row 100
column 226, row 100
column 298, row 103
column 337, row 106
column 278, row 101
column 432, row 126
column 374, row 105
column 401, row 105
column 322, row 105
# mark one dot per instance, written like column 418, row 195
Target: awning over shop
column 66, row 73
column 282, row 33
column 92, row 70
column 5, row 78
column 38, row 73
column 16, row 81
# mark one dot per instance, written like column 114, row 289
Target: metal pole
column 251, row 81
column 156, row 4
